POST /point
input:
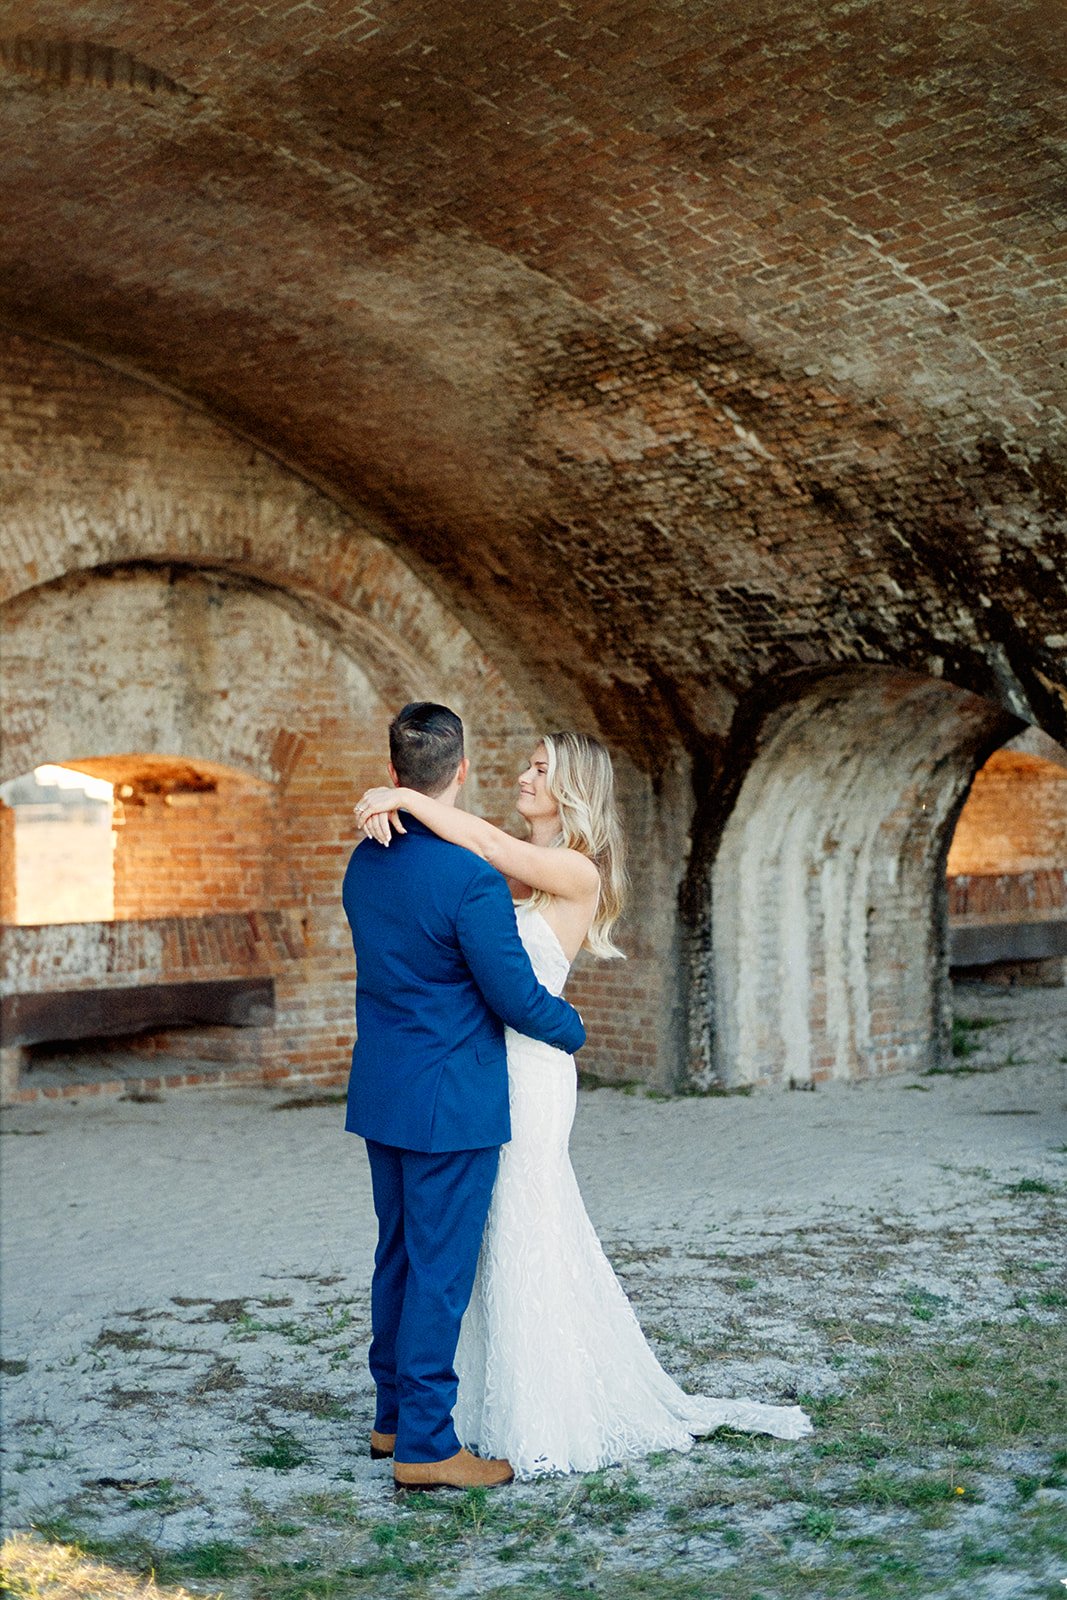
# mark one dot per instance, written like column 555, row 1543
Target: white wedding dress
column 555, row 1374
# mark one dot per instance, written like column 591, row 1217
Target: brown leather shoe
column 461, row 1471
column 382, row 1445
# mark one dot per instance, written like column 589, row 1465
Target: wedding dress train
column 554, row 1371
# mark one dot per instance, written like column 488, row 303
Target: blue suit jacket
column 440, row 970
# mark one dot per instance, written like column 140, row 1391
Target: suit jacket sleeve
column 490, row 941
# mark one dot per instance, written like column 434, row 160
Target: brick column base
column 13, row 1058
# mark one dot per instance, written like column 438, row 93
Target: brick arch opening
column 56, row 847
column 828, row 943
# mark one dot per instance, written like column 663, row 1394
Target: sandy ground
column 185, row 1279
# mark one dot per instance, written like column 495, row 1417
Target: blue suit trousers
column 431, row 1213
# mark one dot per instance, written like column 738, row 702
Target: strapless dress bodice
column 546, row 954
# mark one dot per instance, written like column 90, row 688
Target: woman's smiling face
column 534, row 802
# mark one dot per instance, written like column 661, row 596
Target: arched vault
column 677, row 350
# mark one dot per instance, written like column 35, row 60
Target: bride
column 555, row 1374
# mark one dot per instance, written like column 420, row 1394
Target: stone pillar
column 12, row 1060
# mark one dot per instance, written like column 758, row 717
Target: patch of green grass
column 163, row 1496
column 994, row 1389
column 216, row 1558
column 58, row 1527
column 818, row 1522
column 308, row 1331
column 886, row 1491
column 278, row 1452
column 859, row 1449
column 608, row 1498
column 129, row 1552
column 278, row 1528
column 1030, row 1186
column 330, row 1505
column 963, row 1044
column 31, row 1457
column 923, row 1305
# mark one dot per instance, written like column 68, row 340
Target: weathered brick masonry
column 243, row 707
column 691, row 374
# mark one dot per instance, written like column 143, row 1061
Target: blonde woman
column 555, row 1374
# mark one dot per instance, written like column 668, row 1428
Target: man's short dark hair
column 425, row 746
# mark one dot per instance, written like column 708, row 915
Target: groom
column 441, row 969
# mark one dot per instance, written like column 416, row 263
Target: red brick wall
column 1010, row 896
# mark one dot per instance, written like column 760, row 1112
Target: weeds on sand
column 932, row 1465
column 995, row 1389
column 313, row 1330
column 278, row 1452
column 1030, row 1186
column 164, row 1497
column 963, row 1029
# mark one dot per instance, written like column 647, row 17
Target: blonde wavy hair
column 581, row 782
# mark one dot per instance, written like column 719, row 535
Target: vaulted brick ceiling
column 680, row 345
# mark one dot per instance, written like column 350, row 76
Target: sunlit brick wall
column 7, row 864
column 1015, row 818
column 187, row 852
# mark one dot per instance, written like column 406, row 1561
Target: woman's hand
column 376, row 813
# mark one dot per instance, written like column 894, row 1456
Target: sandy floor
column 186, row 1277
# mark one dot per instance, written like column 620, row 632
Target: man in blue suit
column 440, row 970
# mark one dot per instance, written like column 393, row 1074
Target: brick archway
column 174, row 663
column 129, row 476
column 124, row 488
column 196, row 670
column 828, row 936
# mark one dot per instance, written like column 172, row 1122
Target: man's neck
column 447, row 797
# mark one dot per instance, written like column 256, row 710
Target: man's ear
column 392, row 774
column 462, row 771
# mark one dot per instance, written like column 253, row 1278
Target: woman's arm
column 565, row 873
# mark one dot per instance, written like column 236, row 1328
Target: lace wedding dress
column 554, row 1371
